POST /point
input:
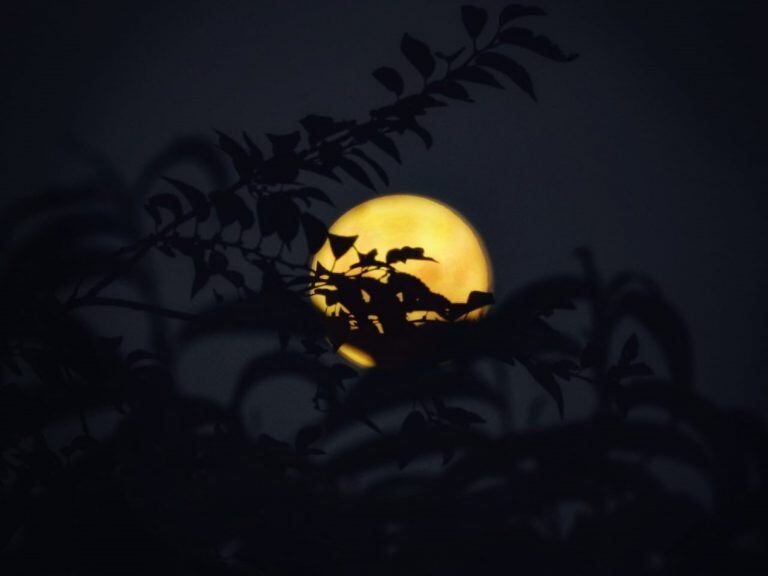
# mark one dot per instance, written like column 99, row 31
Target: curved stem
column 132, row 305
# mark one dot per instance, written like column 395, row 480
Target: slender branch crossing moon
column 394, row 221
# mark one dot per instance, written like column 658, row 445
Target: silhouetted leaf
column 458, row 416
column 665, row 326
column 195, row 197
column 257, row 157
column 390, row 78
column 543, row 375
column 367, row 259
column 479, row 299
column 406, row 253
column 414, row 425
column 284, row 144
column 281, row 169
column 418, row 54
column 508, row 66
column 309, row 192
column 477, row 75
column 474, row 20
column 514, row 11
column 630, row 350
column 386, row 145
column 452, row 56
column 279, row 214
column 265, row 208
column 287, row 217
column 167, row 202
column 314, row 231
column 321, row 170
column 332, row 297
column 231, row 208
column 420, row 131
column 372, row 163
column 340, row 245
column 288, row 223
column 240, row 158
column 541, row 45
column 321, row 127
column 451, row 90
column 355, row 172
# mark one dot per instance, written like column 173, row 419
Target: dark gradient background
column 650, row 149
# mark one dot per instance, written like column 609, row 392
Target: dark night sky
column 650, row 148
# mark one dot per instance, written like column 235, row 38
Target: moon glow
column 394, row 221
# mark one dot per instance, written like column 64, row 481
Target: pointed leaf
column 340, row 245
column 202, row 275
column 310, row 192
column 195, row 197
column 372, row 163
column 418, row 54
column 474, row 20
column 284, row 143
column 406, row 253
column 168, row 202
column 477, row 75
column 479, row 299
column 386, row 145
column 421, row 132
column 414, row 424
column 450, row 57
column 356, row 172
column 508, row 66
column 546, row 379
column 541, row 45
column 459, row 416
column 265, row 208
column 314, row 231
column 390, row 78
column 240, row 158
column 256, row 155
column 451, row 90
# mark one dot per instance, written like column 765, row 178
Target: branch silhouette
column 414, row 467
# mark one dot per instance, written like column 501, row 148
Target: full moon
column 461, row 264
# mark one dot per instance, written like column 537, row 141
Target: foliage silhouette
column 388, row 313
column 180, row 485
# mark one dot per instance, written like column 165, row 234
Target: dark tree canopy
column 402, row 469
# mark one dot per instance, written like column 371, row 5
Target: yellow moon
column 399, row 220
